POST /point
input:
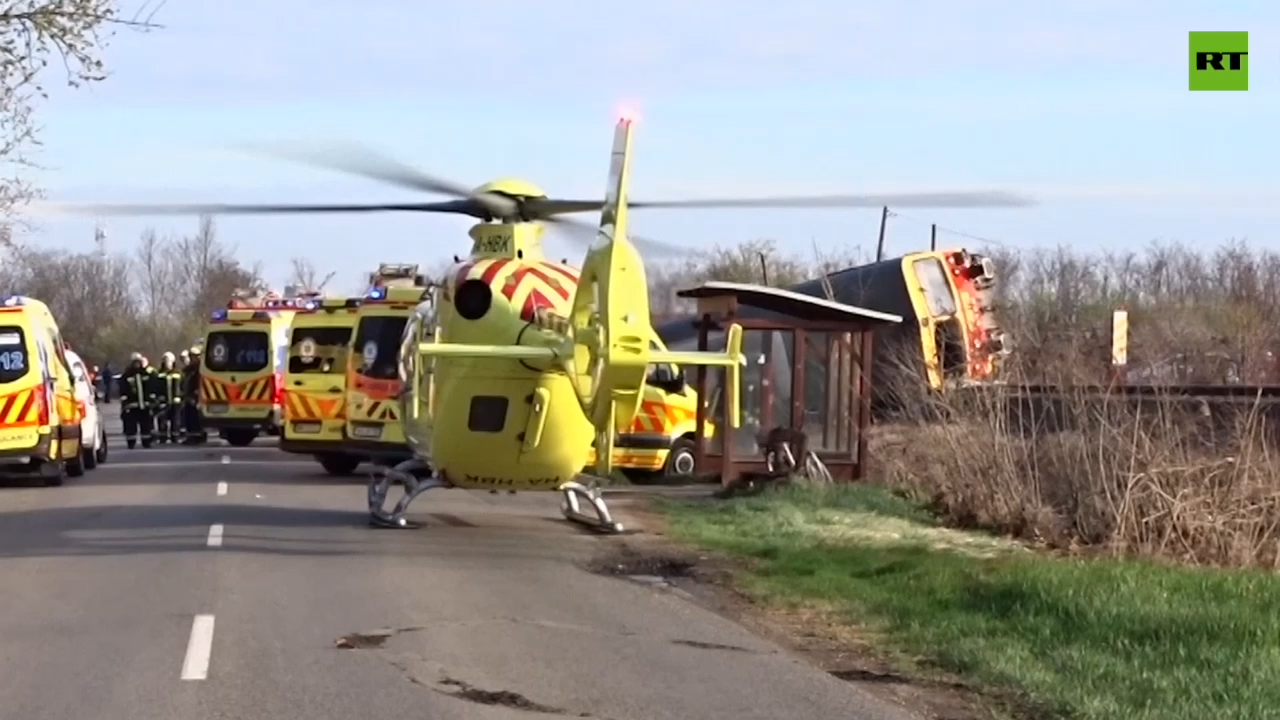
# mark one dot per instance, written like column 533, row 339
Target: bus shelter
column 805, row 371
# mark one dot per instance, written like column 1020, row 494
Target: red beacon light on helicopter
column 627, row 113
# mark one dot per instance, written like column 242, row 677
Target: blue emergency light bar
column 310, row 305
column 218, row 315
column 377, row 294
column 15, row 301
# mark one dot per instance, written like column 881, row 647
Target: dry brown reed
column 1192, row 480
column 1163, row 477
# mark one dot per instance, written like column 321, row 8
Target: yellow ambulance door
column 21, row 384
column 316, row 380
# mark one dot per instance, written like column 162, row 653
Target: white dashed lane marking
column 222, row 488
column 215, row 535
column 188, row 463
column 195, row 666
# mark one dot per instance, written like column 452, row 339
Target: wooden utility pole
column 933, row 237
column 864, row 366
column 884, row 218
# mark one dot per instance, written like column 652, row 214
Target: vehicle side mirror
column 662, row 375
column 669, row 378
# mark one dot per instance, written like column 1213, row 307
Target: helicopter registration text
column 531, row 482
column 493, row 244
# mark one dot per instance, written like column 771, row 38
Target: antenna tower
column 100, row 237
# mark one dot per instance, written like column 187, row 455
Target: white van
column 94, row 445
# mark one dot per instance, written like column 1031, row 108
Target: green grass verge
column 1092, row 639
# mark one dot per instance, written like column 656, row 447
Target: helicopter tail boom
column 731, row 360
column 504, row 352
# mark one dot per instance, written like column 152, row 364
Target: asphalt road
column 217, row 582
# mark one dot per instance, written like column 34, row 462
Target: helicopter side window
column 488, row 413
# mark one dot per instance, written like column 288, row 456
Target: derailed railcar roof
column 876, row 288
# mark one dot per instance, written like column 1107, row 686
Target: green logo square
column 1219, row 61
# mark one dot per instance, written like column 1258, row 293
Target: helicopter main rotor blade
column 547, row 208
column 365, row 162
column 458, row 207
column 584, row 233
column 916, row 200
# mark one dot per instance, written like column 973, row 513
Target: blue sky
column 1083, row 105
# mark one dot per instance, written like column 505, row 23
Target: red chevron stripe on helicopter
column 530, row 275
column 486, row 270
column 533, row 279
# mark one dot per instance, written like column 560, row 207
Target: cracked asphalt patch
column 711, row 646
column 504, row 698
column 376, row 641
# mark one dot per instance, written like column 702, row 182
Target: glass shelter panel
column 842, row 394
column 766, row 387
column 829, row 409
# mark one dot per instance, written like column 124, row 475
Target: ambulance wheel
column 89, row 459
column 100, row 454
column 75, row 466
column 240, row 437
column 53, row 472
column 339, row 465
column 683, row 458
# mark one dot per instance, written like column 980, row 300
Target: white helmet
column 167, row 357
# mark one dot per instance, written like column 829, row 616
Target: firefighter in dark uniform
column 166, row 388
column 192, row 428
column 135, row 410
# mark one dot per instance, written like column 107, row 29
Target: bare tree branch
column 31, row 32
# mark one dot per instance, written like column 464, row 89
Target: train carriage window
column 937, row 291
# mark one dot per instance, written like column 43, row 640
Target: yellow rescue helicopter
column 514, row 367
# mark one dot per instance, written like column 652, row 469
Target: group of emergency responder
column 159, row 404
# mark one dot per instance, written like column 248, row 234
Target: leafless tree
column 754, row 261
column 31, row 33
column 208, row 272
column 304, row 275
column 90, row 294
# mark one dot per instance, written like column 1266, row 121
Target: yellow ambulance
column 242, row 368
column 661, row 438
column 40, row 419
column 373, row 424
column 315, row 382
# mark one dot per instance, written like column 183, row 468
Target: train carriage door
column 941, row 330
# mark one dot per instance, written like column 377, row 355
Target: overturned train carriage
column 951, row 335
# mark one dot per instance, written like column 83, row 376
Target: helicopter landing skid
column 416, row 476
column 574, row 493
